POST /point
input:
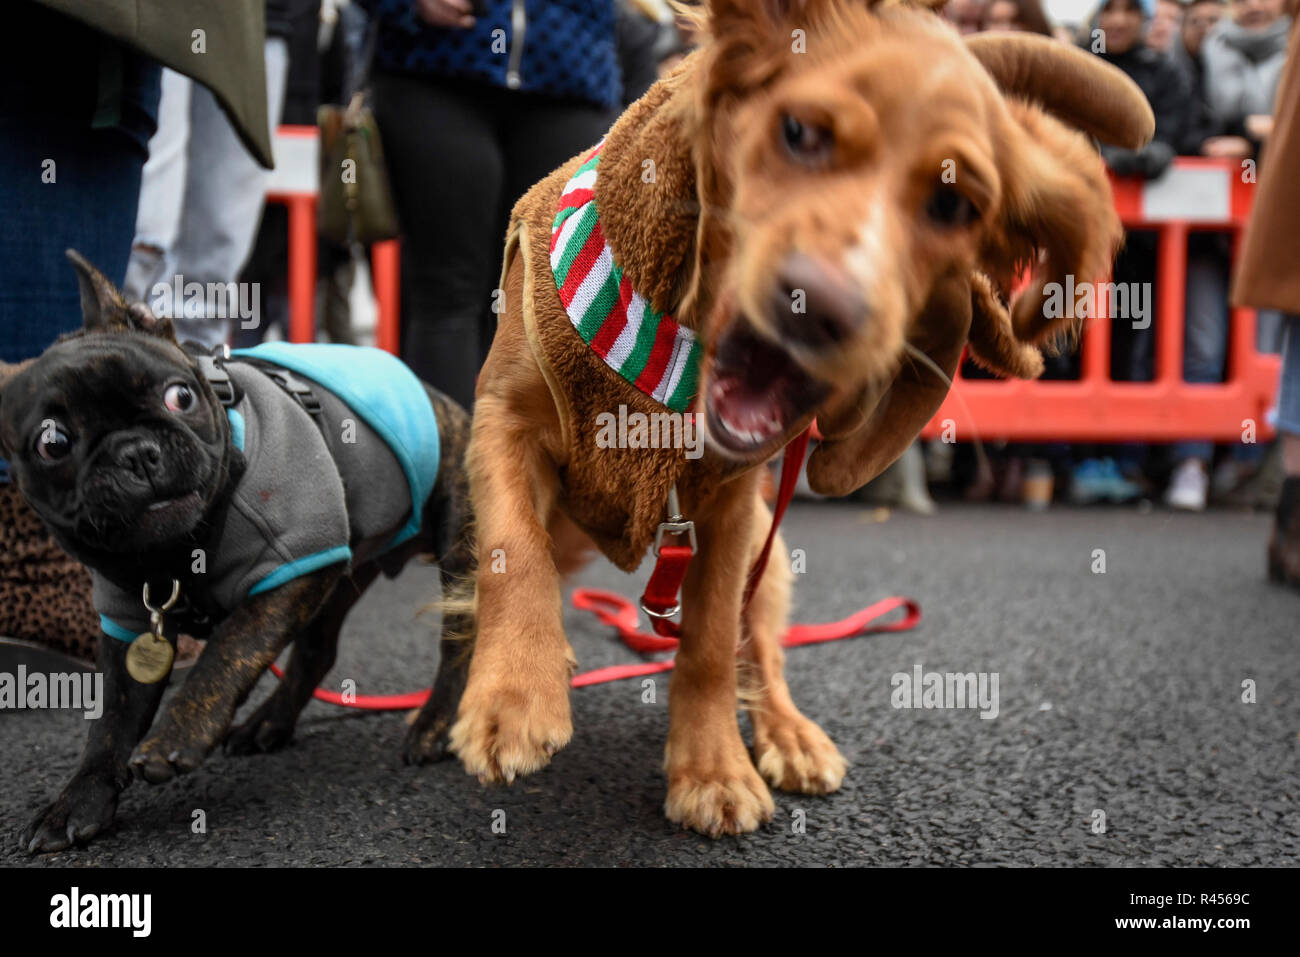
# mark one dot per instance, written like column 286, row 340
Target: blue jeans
column 74, row 129
column 1288, row 392
column 1205, row 333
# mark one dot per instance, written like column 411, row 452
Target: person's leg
column 446, row 171
column 1288, row 400
column 539, row 134
column 1132, row 349
column 224, row 191
column 162, row 190
column 338, row 270
column 1284, row 549
column 1205, row 347
column 65, row 182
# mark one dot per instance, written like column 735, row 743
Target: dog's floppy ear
column 863, row 436
column 103, row 308
column 1057, row 213
column 1057, row 217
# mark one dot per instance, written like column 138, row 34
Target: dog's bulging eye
column 806, row 141
column 52, row 444
column 948, row 206
column 179, row 398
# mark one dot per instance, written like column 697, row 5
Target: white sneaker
column 1189, row 487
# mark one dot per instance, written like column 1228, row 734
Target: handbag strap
column 359, row 77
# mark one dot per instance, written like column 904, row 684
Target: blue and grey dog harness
column 342, row 451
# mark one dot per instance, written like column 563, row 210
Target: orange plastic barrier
column 296, row 148
column 1197, row 194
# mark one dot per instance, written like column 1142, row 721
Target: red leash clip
column 659, row 600
column 671, row 561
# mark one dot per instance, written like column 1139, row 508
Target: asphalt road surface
column 1120, row 694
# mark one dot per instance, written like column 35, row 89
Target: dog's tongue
column 751, row 416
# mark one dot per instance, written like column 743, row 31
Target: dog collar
column 647, row 348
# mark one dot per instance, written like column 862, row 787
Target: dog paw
column 715, row 792
column 427, row 740
column 155, row 760
column 260, row 734
column 509, row 727
column 81, row 812
column 793, row 754
column 717, row 806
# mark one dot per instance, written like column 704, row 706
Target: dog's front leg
column 712, row 784
column 514, row 713
column 791, row 751
column 86, row 805
column 196, row 720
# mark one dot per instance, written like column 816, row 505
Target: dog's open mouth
column 756, row 394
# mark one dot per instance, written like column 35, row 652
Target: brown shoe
column 1284, row 547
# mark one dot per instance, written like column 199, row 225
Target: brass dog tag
column 149, row 659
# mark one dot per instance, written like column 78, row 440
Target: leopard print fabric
column 44, row 594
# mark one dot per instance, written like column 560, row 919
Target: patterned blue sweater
column 566, row 48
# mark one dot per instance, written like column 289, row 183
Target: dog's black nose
column 815, row 304
column 142, row 456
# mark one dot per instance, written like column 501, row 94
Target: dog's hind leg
column 270, row 727
column 427, row 738
column 712, row 784
column 792, row 752
column 449, row 523
column 514, row 713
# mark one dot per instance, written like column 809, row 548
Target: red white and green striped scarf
column 645, row 347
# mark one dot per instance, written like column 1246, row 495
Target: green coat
column 232, row 66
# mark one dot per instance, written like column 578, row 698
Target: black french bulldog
column 140, row 455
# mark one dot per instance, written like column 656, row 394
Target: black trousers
column 459, row 155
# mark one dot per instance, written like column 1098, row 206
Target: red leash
column 621, row 614
column 661, row 603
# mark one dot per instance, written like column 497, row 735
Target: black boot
column 1284, row 547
